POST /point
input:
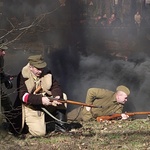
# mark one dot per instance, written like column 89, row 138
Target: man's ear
column 30, row 67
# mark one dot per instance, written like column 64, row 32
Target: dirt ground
column 108, row 135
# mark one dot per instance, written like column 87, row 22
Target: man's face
column 121, row 97
column 2, row 52
column 37, row 72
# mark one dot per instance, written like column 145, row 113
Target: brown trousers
column 75, row 114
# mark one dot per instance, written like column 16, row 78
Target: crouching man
column 35, row 84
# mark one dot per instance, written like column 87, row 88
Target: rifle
column 73, row 102
column 67, row 101
column 114, row 116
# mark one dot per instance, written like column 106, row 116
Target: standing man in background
column 4, row 80
column 137, row 20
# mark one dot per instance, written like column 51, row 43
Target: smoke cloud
column 80, row 72
column 82, row 56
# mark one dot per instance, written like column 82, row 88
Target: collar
column 34, row 77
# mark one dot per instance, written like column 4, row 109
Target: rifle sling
column 48, row 113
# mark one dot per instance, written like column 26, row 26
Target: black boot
column 60, row 126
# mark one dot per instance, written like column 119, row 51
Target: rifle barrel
column 68, row 101
column 74, row 102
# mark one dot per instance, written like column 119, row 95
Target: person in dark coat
column 5, row 80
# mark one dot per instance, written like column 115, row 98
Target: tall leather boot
column 61, row 126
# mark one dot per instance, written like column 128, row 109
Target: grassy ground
column 108, row 135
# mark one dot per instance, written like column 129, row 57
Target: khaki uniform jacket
column 104, row 98
column 98, row 97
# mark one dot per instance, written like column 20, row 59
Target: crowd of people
column 114, row 21
column 37, row 100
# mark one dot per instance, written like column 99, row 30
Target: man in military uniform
column 35, row 83
column 4, row 80
column 110, row 102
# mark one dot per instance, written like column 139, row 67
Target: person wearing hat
column 5, row 100
column 110, row 102
column 36, row 83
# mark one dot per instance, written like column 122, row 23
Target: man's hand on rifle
column 55, row 102
column 88, row 108
column 124, row 116
column 46, row 101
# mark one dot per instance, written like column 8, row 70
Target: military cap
column 3, row 44
column 123, row 89
column 37, row 61
column 3, row 47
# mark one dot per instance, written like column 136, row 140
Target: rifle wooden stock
column 73, row 102
column 115, row 116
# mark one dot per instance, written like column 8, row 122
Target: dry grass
column 108, row 135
